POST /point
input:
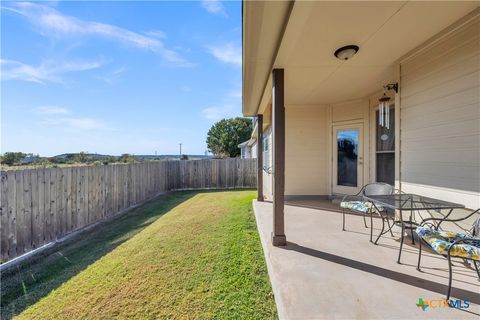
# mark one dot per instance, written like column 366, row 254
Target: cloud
column 218, row 113
column 50, row 110
column 186, row 88
column 51, row 22
column 156, row 34
column 237, row 93
column 214, row 6
column 228, row 53
column 229, row 107
column 77, row 123
column 49, row 71
column 112, row 76
column 57, row 116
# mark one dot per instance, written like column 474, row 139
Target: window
column 385, row 150
column 266, row 152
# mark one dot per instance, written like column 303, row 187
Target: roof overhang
column 243, row 144
column 302, row 38
column 263, row 24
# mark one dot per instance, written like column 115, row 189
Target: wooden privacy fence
column 38, row 206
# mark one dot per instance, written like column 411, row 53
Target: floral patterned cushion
column 440, row 241
column 361, row 206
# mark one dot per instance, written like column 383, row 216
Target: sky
column 117, row 77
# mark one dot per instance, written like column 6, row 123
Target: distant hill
column 26, row 161
column 96, row 156
column 171, row 157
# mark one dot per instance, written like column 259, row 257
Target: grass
column 183, row 255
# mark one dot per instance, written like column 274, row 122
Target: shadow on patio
column 325, row 272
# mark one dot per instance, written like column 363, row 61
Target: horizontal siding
column 447, row 46
column 459, row 70
column 457, row 100
column 443, row 90
column 459, row 143
column 440, row 118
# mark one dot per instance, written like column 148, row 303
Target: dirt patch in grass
column 203, row 259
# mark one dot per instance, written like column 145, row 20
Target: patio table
column 409, row 202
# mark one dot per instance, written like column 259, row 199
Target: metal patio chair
column 451, row 244
column 357, row 203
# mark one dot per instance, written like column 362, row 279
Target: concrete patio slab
column 327, row 273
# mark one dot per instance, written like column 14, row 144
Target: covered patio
column 326, row 273
column 347, row 94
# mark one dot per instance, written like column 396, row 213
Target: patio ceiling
column 384, row 31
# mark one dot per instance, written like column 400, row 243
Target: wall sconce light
column 384, row 105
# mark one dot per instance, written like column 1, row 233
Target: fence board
column 73, row 199
column 12, row 214
column 58, row 203
column 67, row 187
column 51, row 221
column 36, row 223
column 83, row 181
column 20, row 212
column 4, row 216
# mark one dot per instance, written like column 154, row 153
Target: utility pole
column 180, row 144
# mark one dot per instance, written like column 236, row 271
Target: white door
column 347, row 158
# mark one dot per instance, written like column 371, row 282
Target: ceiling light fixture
column 346, row 52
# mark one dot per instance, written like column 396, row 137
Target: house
column 245, row 150
column 347, row 93
column 29, row 159
column 248, row 149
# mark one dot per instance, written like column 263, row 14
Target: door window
column 347, row 157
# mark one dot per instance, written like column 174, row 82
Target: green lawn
column 183, row 255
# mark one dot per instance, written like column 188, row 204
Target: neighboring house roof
column 243, row 144
column 30, row 159
column 248, row 143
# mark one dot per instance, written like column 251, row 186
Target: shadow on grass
column 28, row 282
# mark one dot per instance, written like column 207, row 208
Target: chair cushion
column 451, row 236
column 361, row 206
column 440, row 241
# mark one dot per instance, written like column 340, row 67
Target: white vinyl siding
column 267, row 164
column 253, row 150
column 440, row 118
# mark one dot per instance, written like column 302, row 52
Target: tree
column 126, row 158
column 81, row 157
column 11, row 158
column 224, row 136
column 109, row 159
